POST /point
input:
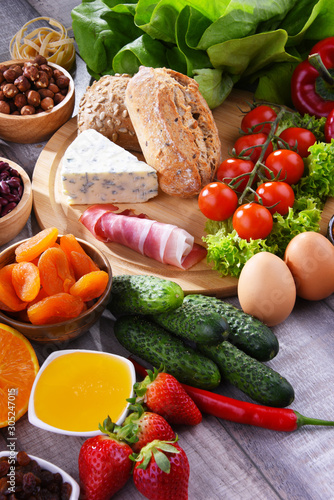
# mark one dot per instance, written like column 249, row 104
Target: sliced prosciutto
column 165, row 243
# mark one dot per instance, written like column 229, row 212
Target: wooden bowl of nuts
column 36, row 98
column 15, row 199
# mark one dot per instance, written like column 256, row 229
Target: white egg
column 266, row 288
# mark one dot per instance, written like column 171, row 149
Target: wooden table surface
column 227, row 460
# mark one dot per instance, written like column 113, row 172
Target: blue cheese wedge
column 96, row 170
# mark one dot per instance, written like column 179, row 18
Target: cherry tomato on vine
column 300, row 137
column 250, row 146
column 217, row 201
column 329, row 127
column 252, row 221
column 255, row 120
column 234, row 167
column 276, row 192
column 289, row 162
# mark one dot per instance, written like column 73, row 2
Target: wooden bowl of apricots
column 53, row 287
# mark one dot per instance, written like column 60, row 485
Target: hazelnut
column 47, row 103
column 58, row 98
column 12, row 105
column 28, row 110
column 53, row 87
column 62, row 81
column 57, row 73
column 10, row 90
column 43, row 81
column 17, row 68
column 46, row 93
column 4, row 107
column 20, row 100
column 22, row 83
column 33, row 97
column 47, row 69
column 31, row 71
column 10, row 75
column 39, row 59
column 2, row 96
column 2, row 78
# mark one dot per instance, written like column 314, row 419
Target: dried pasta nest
column 52, row 42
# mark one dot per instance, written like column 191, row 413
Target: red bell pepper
column 312, row 82
column 329, row 126
column 267, row 417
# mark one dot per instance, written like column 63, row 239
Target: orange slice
column 18, row 369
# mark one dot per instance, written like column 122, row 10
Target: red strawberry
column 141, row 427
column 162, row 471
column 162, row 393
column 104, row 464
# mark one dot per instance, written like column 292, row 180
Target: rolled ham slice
column 166, row 243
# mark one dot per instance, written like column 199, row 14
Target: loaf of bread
column 175, row 129
column 102, row 108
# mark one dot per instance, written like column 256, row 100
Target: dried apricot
column 26, row 280
column 54, row 271
column 7, row 291
column 34, row 246
column 90, row 286
column 81, row 264
column 80, row 261
column 55, row 309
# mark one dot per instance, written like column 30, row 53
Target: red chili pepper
column 312, row 82
column 267, row 417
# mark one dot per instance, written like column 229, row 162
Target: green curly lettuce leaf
column 304, row 216
column 228, row 253
column 320, row 173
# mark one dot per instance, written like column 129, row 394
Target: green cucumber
column 190, row 324
column 245, row 332
column 260, row 382
column 155, row 345
column 143, row 295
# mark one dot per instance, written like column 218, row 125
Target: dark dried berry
column 4, row 468
column 23, row 458
column 30, row 482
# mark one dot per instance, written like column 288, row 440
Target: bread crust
column 102, row 108
column 175, row 129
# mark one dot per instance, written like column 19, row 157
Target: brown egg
column 266, row 288
column 310, row 258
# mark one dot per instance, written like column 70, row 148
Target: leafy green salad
column 228, row 252
column 219, row 43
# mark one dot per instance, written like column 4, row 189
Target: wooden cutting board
column 51, row 209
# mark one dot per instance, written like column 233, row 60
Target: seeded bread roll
column 175, row 129
column 102, row 108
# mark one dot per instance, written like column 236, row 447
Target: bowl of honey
column 75, row 390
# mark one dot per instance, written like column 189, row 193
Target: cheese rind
column 96, row 170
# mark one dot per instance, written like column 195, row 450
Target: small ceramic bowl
column 12, row 223
column 63, row 391
column 39, row 127
column 330, row 230
column 66, row 330
column 44, row 464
